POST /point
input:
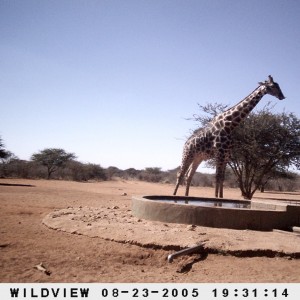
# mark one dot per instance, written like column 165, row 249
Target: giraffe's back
column 201, row 142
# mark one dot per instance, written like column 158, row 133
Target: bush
column 78, row 171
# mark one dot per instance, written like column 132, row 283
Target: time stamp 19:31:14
column 199, row 293
column 274, row 293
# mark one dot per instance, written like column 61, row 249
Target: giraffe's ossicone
column 215, row 140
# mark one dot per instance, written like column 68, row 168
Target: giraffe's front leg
column 219, row 185
column 220, row 176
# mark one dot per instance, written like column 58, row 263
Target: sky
column 115, row 81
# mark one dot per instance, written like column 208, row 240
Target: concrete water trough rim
column 258, row 217
column 256, row 205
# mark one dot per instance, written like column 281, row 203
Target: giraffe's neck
column 236, row 114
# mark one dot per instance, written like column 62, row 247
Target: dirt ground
column 73, row 256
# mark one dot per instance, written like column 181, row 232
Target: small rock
column 116, row 207
column 191, row 227
column 124, row 194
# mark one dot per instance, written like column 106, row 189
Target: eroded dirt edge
column 118, row 225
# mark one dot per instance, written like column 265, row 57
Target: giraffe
column 215, row 141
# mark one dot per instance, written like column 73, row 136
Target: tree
column 113, row 172
column 211, row 110
column 131, row 173
column 6, row 160
column 3, row 152
column 53, row 159
column 280, row 178
column 153, row 170
column 263, row 145
column 152, row 174
column 78, row 171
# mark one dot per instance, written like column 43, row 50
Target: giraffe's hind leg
column 179, row 180
column 180, row 175
column 190, row 174
column 176, row 187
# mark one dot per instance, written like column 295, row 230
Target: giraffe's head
column 272, row 88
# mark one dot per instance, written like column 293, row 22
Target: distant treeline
column 77, row 171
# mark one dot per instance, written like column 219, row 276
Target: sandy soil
column 75, row 256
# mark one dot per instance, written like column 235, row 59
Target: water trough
column 212, row 212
